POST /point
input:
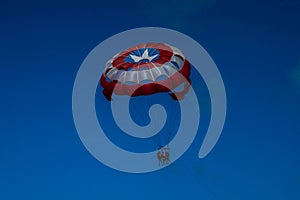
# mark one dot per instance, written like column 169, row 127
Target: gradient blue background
column 256, row 46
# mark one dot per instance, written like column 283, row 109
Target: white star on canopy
column 144, row 56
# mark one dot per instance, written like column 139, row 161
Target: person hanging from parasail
column 167, row 156
column 159, row 158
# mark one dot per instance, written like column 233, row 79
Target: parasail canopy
column 146, row 69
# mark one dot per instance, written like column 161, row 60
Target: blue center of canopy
column 143, row 55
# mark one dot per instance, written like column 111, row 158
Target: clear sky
column 256, row 46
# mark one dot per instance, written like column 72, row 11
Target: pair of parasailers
column 163, row 156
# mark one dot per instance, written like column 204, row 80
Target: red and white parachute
column 146, row 69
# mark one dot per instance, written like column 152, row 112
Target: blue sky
column 256, row 47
